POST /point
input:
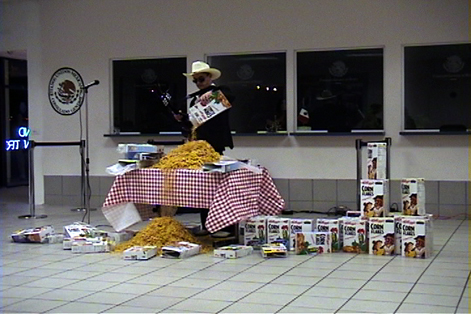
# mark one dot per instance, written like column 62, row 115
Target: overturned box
column 90, row 245
column 181, row 250
column 233, row 251
column 274, row 250
column 33, row 235
column 140, row 252
column 313, row 243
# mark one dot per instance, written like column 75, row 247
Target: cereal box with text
column 308, row 243
column 299, row 225
column 376, row 162
column 254, row 231
column 374, row 198
column 355, row 234
column 278, row 229
column 334, row 226
column 381, row 235
column 413, row 197
column 415, row 233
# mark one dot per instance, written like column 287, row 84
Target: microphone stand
column 87, row 155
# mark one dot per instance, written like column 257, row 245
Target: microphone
column 95, row 82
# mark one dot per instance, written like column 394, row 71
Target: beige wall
column 86, row 34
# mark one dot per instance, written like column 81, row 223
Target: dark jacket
column 217, row 130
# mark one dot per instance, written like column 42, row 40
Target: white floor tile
column 421, row 308
column 362, row 306
column 80, row 307
column 282, row 288
column 131, row 288
column 301, row 309
column 297, row 280
column 240, row 307
column 326, row 303
column 154, row 302
column 268, row 298
column 51, row 283
column 250, row 277
column 432, row 299
column 33, row 306
column 374, row 295
column 194, row 283
column 233, row 285
column 108, row 298
column 180, row 292
column 208, row 306
column 220, row 295
column 422, row 288
column 129, row 309
column 388, row 286
column 24, row 292
column 337, row 292
column 441, row 280
column 336, row 282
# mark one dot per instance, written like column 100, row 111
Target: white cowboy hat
column 203, row 67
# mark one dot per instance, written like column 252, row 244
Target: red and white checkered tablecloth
column 230, row 197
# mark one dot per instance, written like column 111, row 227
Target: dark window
column 258, row 82
column 437, row 87
column 138, row 86
column 340, row 90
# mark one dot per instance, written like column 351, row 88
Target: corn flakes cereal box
column 376, row 162
column 374, row 198
column 398, row 234
column 381, row 233
column 334, row 226
column 308, row 243
column 299, row 225
column 413, row 197
column 355, row 235
column 278, row 230
column 415, row 237
column 255, row 231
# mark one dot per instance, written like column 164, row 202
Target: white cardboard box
column 334, row 226
column 181, row 250
column 140, row 252
column 374, row 198
column 278, row 230
column 90, row 245
column 223, row 166
column 381, row 236
column 233, row 251
column 313, row 243
column 413, row 196
column 376, row 162
column 299, row 225
column 78, row 229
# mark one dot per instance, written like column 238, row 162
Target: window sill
column 434, row 132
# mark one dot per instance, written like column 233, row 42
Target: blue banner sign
column 22, row 143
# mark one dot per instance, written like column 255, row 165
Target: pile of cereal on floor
column 191, row 155
column 160, row 232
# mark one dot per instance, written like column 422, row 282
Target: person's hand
column 178, row 117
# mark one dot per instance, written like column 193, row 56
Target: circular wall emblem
column 338, row 68
column 66, row 91
column 453, row 64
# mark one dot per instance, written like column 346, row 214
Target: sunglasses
column 200, row 79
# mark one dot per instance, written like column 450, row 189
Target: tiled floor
column 43, row 278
